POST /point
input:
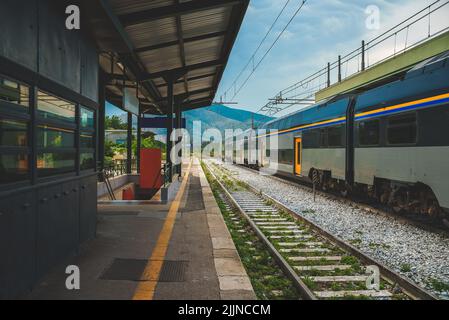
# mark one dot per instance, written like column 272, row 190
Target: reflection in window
column 86, row 118
column 13, row 133
column 402, row 129
column 51, row 107
column 335, row 136
column 323, row 138
column 86, row 140
column 49, row 137
column 87, row 161
column 54, row 163
column 14, row 92
column 13, row 168
column 369, row 133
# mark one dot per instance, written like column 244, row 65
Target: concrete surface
column 129, row 232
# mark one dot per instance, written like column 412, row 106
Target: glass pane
column 13, row 168
column 87, row 161
column 49, row 137
column 369, row 133
column 335, row 136
column 86, row 140
column 53, row 163
column 86, row 118
column 13, row 133
column 14, row 92
column 402, row 129
column 51, row 107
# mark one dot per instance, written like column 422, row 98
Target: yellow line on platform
column 146, row 288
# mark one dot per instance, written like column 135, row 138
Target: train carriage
column 389, row 142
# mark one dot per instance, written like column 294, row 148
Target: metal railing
column 408, row 34
column 119, row 167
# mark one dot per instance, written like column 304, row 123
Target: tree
column 115, row 123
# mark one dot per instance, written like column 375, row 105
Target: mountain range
column 222, row 117
column 219, row 117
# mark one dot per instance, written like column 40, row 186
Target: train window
column 402, row 129
column 369, row 133
column 335, row 136
column 323, row 138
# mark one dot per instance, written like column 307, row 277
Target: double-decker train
column 389, row 142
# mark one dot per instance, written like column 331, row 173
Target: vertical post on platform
column 139, row 139
column 328, row 74
column 339, row 68
column 179, row 127
column 101, row 130
column 170, row 109
column 129, row 154
column 363, row 55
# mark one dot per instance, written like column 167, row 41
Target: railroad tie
column 343, row 294
column 323, row 268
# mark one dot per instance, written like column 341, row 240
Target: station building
column 167, row 55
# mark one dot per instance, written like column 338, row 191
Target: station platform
column 181, row 250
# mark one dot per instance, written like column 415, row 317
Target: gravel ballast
column 420, row 255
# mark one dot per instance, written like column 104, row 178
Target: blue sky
column 322, row 30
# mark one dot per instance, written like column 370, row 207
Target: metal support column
column 328, row 74
column 339, row 68
column 139, row 140
column 170, row 110
column 129, row 144
column 101, row 115
column 179, row 126
column 363, row 55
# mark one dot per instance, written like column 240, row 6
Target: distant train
column 389, row 142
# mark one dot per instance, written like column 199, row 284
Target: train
column 388, row 142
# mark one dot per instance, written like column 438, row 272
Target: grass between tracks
column 267, row 279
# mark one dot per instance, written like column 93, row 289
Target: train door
column 298, row 156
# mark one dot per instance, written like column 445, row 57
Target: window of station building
column 369, row 133
column 87, row 140
column 13, row 168
column 335, row 136
column 86, row 118
column 50, row 137
column 14, row 92
column 54, row 108
column 87, row 161
column 49, row 163
column 13, row 133
column 402, row 129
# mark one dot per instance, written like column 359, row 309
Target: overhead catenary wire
column 251, row 59
column 253, row 56
column 270, row 48
column 392, row 32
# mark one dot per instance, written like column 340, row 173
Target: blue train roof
column 320, row 112
column 429, row 76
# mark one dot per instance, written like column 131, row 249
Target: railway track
column 359, row 204
column 320, row 265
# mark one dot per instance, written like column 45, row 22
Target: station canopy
column 144, row 44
